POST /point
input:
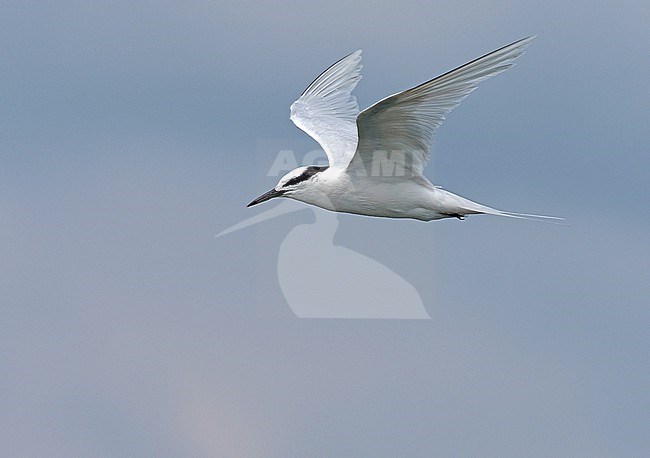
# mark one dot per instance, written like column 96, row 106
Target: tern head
column 297, row 184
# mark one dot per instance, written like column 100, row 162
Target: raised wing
column 402, row 125
column 327, row 110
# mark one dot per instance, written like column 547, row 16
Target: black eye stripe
column 307, row 174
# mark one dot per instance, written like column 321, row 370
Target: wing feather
column 406, row 122
column 327, row 110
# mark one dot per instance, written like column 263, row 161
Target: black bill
column 266, row 196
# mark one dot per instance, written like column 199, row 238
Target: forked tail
column 463, row 206
column 541, row 218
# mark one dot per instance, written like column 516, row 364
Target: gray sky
column 129, row 137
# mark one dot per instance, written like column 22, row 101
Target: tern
column 376, row 156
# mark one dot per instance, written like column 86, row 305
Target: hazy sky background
column 129, row 137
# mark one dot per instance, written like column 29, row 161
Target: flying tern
column 376, row 156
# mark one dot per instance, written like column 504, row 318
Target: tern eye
column 305, row 175
column 298, row 179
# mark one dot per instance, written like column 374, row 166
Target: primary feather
column 327, row 110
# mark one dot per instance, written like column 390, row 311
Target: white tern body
column 376, row 156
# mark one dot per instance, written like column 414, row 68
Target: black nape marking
column 307, row 174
